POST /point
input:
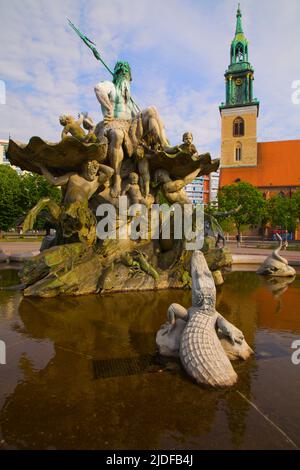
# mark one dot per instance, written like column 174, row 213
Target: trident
column 92, row 45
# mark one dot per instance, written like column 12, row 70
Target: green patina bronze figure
column 92, row 45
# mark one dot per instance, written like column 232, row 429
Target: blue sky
column 178, row 51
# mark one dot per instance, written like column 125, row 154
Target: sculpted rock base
column 218, row 278
column 115, row 266
column 216, row 258
column 65, row 269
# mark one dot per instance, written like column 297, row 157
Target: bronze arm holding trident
column 91, row 45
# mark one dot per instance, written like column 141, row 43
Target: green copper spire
column 240, row 74
column 239, row 45
column 239, row 27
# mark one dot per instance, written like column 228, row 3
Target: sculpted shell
column 67, row 155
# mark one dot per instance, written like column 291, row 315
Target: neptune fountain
column 127, row 156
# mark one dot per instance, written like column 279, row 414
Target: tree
column 10, row 193
column 34, row 187
column 284, row 211
column 265, row 218
column 296, row 199
column 18, row 194
column 252, row 211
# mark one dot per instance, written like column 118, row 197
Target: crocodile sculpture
column 202, row 352
column 276, row 265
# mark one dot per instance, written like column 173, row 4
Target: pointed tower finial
column 239, row 27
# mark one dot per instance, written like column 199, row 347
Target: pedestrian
column 238, row 240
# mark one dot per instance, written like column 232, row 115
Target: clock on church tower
column 240, row 110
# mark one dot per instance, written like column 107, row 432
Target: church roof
column 277, row 166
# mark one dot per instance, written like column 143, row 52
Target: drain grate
column 121, row 367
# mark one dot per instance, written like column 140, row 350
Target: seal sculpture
column 276, row 265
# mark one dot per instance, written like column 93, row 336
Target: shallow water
column 66, row 382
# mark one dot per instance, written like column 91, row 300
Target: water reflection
column 57, row 403
column 278, row 286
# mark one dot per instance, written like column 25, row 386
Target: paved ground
column 19, row 247
column 23, row 247
column 246, row 250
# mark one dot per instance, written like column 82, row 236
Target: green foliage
column 296, row 204
column 284, row 211
column 280, row 210
column 34, row 187
column 19, row 193
column 10, row 193
column 227, row 224
column 250, row 199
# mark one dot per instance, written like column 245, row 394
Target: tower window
column 238, row 152
column 238, row 127
column 239, row 53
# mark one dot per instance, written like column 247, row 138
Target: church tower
column 239, row 112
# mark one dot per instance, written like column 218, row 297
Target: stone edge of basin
column 17, row 257
column 256, row 259
column 236, row 258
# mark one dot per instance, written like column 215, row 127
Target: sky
column 178, row 51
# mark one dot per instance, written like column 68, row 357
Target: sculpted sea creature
column 276, row 265
column 201, row 351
